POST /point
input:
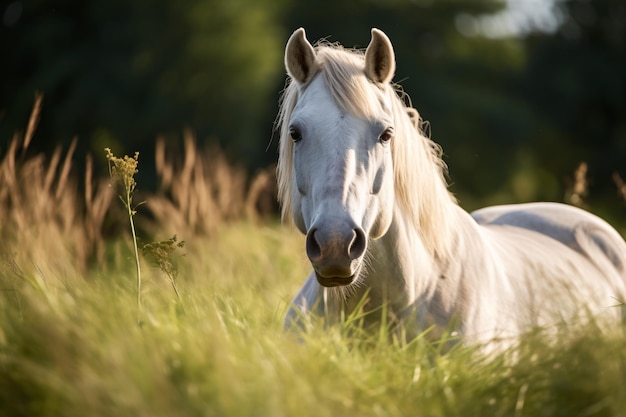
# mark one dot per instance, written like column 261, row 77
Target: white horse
column 359, row 178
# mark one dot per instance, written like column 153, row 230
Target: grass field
column 75, row 342
column 72, row 346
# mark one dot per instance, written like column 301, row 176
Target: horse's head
column 339, row 135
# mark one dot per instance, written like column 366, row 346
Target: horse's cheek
column 300, row 176
column 383, row 214
column 383, row 204
column 297, row 214
column 299, row 223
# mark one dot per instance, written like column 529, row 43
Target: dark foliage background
column 514, row 113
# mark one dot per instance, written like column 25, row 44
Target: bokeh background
column 517, row 92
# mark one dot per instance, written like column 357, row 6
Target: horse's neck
column 406, row 276
column 400, row 269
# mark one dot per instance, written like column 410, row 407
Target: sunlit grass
column 72, row 346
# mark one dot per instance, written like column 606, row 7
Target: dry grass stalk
column 621, row 186
column 97, row 202
column 261, row 199
column 198, row 194
column 43, row 214
column 580, row 185
column 33, row 121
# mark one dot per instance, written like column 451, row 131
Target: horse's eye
column 295, row 134
column 386, row 136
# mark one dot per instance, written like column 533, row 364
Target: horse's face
column 343, row 173
column 342, row 165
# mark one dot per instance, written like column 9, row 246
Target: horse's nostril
column 331, row 250
column 358, row 244
column 313, row 249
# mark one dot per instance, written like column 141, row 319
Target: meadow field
column 205, row 336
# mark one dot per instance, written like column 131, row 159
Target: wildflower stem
column 132, row 229
column 122, row 171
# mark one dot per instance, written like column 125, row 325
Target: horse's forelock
column 284, row 167
column 344, row 75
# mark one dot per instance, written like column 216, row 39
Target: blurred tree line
column 515, row 115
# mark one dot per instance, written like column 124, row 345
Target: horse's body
column 359, row 178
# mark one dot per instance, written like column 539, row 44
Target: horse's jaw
column 337, row 280
column 334, row 281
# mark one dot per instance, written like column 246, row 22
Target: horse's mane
column 419, row 172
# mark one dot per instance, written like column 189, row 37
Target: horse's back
column 554, row 251
column 549, row 218
column 566, row 224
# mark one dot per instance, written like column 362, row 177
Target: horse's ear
column 380, row 62
column 300, row 57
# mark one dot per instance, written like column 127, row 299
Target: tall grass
column 70, row 344
column 78, row 351
column 204, row 190
column 49, row 207
column 45, row 213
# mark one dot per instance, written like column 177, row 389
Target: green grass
column 71, row 346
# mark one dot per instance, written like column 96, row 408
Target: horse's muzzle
column 335, row 254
